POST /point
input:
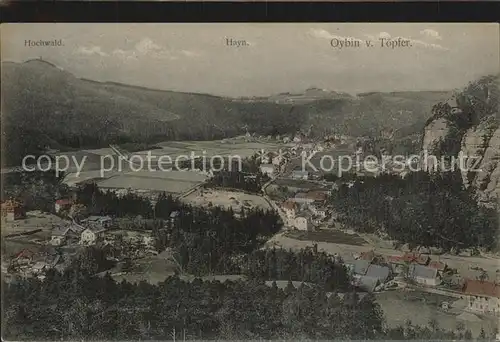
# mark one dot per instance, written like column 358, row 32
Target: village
column 39, row 241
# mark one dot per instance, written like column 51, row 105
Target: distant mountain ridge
column 46, row 106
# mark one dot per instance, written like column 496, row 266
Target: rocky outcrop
column 435, row 133
column 469, row 128
column 481, row 144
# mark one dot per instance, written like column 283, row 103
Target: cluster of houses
column 90, row 231
column 27, row 263
column 418, row 268
column 372, row 272
column 274, row 162
column 305, row 210
column 87, row 232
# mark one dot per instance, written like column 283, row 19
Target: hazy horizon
column 279, row 58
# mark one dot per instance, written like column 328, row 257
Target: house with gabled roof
column 101, row 222
column 378, row 272
column 482, row 296
column 24, row 257
column 58, row 235
column 62, row 204
column 91, row 235
column 13, row 210
column 424, row 275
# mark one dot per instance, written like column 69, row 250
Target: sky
column 277, row 58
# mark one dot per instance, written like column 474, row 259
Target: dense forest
column 76, row 306
column 306, row 265
column 421, row 209
column 207, row 240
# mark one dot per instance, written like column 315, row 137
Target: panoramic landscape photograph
column 312, row 181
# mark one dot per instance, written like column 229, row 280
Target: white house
column 482, row 296
column 91, row 235
column 267, row 169
column 424, row 275
column 301, row 222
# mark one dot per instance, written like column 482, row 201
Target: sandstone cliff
column 468, row 125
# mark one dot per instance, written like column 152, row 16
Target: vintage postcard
column 250, row 181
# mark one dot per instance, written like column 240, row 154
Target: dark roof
column 91, row 219
column 360, row 266
column 52, row 260
column 379, row 272
column 420, row 271
column 75, row 228
column 60, row 231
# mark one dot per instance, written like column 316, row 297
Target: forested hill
column 45, row 106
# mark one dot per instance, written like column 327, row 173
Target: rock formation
column 468, row 126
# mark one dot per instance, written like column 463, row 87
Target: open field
column 226, row 199
column 234, row 146
column 332, row 236
column 345, row 250
column 168, row 181
column 34, row 220
column 420, row 308
column 297, row 184
column 122, row 175
column 152, row 269
column 11, row 247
